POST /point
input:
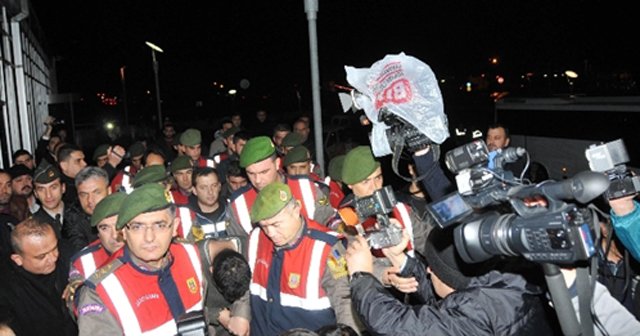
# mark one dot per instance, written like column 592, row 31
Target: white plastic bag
column 405, row 86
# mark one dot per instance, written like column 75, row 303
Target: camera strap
column 395, row 160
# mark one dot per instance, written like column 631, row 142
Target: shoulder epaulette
column 102, row 272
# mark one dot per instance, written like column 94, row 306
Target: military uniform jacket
column 123, row 179
column 314, row 201
column 300, row 286
column 204, row 162
column 87, row 261
column 124, row 298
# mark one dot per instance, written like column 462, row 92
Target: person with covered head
column 261, row 163
column 299, row 276
column 152, row 281
column 459, row 298
column 298, row 162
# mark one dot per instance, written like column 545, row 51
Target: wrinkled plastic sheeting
column 405, row 86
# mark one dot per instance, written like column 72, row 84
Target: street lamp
column 155, row 48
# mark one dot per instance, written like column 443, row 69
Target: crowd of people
column 249, row 235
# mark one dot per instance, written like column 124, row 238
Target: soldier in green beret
column 94, row 256
column 182, row 171
column 153, row 280
column 362, row 173
column 262, row 164
column 292, row 139
column 101, row 155
column 190, row 143
column 280, row 252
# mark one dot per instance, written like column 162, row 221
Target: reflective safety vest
column 204, row 162
column 286, row 284
column 124, row 179
column 149, row 302
column 302, row 189
column 187, row 218
column 179, row 198
column 87, row 260
column 218, row 158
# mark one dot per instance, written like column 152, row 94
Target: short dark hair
column 153, row 149
column 65, row 151
column 242, row 135
column 281, row 127
column 337, row 330
column 231, row 274
column 234, row 169
column 494, row 126
column 204, row 171
column 19, row 152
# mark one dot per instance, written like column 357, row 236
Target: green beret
column 150, row 174
column 190, row 137
column 149, row 197
column 109, row 206
column 45, row 173
column 292, row 139
column 335, row 167
column 100, row 151
column 270, row 201
column 231, row 131
column 181, row 162
column 256, row 150
column 358, row 165
column 136, row 149
column 296, row 154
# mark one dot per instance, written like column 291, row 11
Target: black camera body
column 193, row 324
column 610, row 159
column 380, row 204
column 561, row 236
column 403, row 133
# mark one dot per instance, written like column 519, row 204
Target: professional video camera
column 610, row 159
column 543, row 228
column 380, row 204
column 481, row 177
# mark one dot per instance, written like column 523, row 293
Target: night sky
column 266, row 42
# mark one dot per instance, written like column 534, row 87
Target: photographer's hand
column 405, row 285
column 396, row 254
column 622, row 206
column 359, row 258
column 224, row 317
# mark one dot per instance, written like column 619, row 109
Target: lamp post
column 155, row 48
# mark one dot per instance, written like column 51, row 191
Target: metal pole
column 124, row 95
column 155, row 72
column 311, row 8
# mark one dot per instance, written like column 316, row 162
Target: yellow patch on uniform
column 323, row 200
column 283, row 195
column 337, row 266
column 192, row 285
column 294, row 280
column 167, row 196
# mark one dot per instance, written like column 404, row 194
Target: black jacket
column 32, row 304
column 492, row 304
column 76, row 230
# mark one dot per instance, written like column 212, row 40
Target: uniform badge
column 192, row 285
column 294, row 280
column 283, row 195
column 92, row 308
column 323, row 201
column 50, row 173
column 337, row 265
column 167, row 196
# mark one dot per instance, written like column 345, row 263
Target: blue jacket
column 627, row 229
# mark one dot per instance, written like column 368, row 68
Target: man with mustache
column 22, row 185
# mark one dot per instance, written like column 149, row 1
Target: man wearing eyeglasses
column 152, row 281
